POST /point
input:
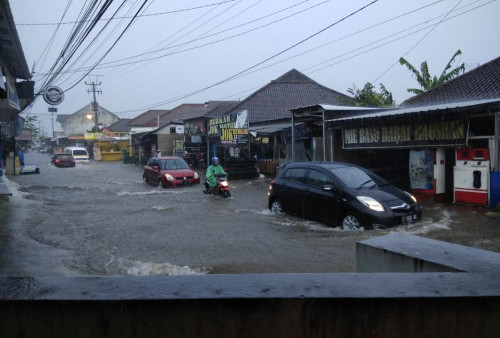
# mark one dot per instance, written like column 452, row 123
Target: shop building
column 442, row 142
column 16, row 92
column 267, row 112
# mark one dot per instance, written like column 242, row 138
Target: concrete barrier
column 407, row 286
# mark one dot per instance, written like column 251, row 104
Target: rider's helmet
column 215, row 159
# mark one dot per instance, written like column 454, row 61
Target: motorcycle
column 221, row 188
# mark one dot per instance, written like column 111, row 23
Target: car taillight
column 57, row 161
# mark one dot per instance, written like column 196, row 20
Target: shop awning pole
column 324, row 137
column 293, row 139
column 497, row 141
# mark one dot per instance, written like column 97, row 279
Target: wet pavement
column 101, row 219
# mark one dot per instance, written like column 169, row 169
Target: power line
column 126, row 17
column 265, row 60
column 419, row 41
column 111, row 65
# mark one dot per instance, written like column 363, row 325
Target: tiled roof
column 141, row 120
column 120, row 126
column 291, row 90
column 184, row 111
column 480, row 83
column 221, row 108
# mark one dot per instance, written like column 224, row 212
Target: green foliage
column 369, row 97
column 30, row 124
column 427, row 81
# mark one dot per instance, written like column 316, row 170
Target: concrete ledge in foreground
column 406, row 286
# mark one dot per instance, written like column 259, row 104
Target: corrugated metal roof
column 11, row 51
column 270, row 128
column 329, row 107
column 438, row 107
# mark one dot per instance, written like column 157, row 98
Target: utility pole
column 94, row 102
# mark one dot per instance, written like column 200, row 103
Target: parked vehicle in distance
column 341, row 194
column 80, row 154
column 169, row 171
column 63, row 160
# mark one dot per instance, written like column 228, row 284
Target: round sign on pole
column 53, row 95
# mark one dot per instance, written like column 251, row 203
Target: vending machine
column 471, row 176
column 427, row 171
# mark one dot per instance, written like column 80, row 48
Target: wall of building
column 79, row 124
column 166, row 143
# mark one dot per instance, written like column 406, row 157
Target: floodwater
column 101, row 219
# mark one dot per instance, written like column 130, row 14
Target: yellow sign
column 228, row 134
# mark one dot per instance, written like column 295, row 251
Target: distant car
column 45, row 149
column 166, row 172
column 342, row 195
column 63, row 160
column 80, row 154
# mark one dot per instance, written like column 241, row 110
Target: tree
column 426, row 81
column 369, row 97
column 29, row 124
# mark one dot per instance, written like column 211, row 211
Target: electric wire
column 419, row 41
column 128, row 17
column 112, row 46
column 124, row 70
column 110, row 65
column 267, row 59
column 247, row 71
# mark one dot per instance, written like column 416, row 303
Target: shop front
column 229, row 140
column 422, row 148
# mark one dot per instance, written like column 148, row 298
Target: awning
column 24, row 135
column 425, row 109
column 270, row 128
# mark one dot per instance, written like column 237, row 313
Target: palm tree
column 426, row 81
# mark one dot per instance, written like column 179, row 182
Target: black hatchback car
column 341, row 194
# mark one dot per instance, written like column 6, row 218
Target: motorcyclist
column 214, row 169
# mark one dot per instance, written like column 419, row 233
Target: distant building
column 147, row 121
column 78, row 123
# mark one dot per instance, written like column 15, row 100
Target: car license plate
column 409, row 218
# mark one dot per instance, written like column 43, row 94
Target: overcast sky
column 196, row 51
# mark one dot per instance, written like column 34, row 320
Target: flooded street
column 101, row 219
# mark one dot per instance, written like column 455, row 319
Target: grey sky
column 333, row 42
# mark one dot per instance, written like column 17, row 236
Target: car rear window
column 64, row 156
column 80, row 152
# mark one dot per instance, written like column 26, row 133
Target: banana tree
column 427, row 81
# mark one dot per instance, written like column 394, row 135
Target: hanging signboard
column 422, row 133
column 234, row 135
column 232, row 129
column 53, row 95
column 12, row 97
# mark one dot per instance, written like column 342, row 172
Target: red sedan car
column 166, row 172
column 63, row 160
